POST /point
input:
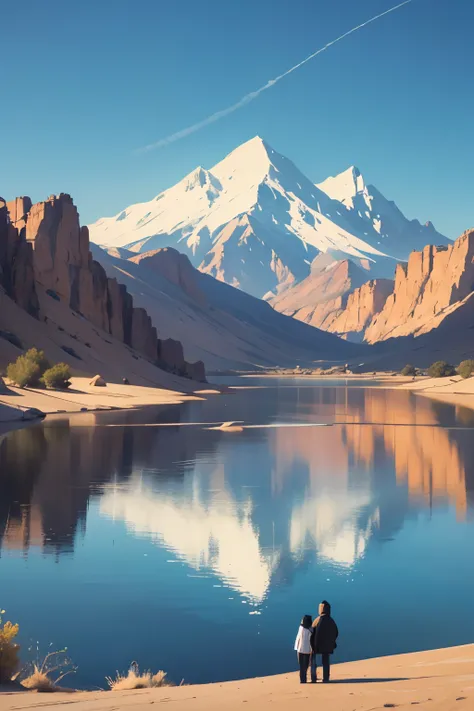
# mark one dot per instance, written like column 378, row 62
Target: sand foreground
column 439, row 680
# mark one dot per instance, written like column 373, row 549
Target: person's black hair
column 327, row 606
column 307, row 621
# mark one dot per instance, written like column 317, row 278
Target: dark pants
column 314, row 666
column 303, row 661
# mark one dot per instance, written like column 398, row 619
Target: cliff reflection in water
column 252, row 507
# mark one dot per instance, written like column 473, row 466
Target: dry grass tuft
column 39, row 681
column 134, row 680
column 40, row 678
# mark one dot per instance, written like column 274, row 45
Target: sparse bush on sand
column 45, row 676
column 441, row 369
column 408, row 370
column 136, row 680
column 9, row 650
column 57, row 377
column 466, row 368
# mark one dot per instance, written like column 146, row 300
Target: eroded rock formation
column 428, row 288
column 363, row 304
column 16, row 263
column 44, row 246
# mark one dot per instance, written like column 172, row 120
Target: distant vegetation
column 441, row 369
column 33, row 369
column 466, row 368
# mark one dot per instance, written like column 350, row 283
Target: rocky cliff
column 362, row 305
column 16, row 257
column 43, row 247
column 433, row 284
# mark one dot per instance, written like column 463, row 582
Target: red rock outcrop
column 362, row 305
column 45, row 245
column 430, row 286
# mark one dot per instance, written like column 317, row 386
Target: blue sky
column 85, row 83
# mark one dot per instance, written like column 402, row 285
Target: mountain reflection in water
column 256, row 511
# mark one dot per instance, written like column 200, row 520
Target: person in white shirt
column 303, row 646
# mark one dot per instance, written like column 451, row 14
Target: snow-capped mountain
column 256, row 222
column 397, row 235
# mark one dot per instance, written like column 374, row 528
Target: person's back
column 323, row 640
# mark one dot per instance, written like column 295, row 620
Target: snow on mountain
column 394, row 233
column 256, row 222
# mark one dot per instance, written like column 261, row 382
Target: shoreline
column 434, row 680
column 82, row 399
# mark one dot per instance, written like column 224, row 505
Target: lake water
column 197, row 551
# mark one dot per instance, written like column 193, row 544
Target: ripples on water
column 198, row 551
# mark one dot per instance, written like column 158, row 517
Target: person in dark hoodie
column 324, row 634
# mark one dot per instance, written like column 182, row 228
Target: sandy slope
column 455, row 390
column 97, row 352
column 439, row 680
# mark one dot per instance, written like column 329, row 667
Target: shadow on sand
column 378, row 680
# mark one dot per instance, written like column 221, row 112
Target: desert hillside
column 217, row 323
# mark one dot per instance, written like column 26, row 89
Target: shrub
column 27, row 370
column 466, row 368
column 409, row 370
column 24, row 372
column 39, row 358
column 58, row 376
column 136, row 680
column 9, row 650
column 441, row 369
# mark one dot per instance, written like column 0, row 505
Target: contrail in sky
column 254, row 94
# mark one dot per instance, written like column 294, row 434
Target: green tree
column 441, row 369
column 57, row 377
column 466, row 368
column 409, row 370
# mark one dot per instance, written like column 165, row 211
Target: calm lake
column 197, row 551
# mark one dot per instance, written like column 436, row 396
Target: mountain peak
column 250, row 160
column 345, row 185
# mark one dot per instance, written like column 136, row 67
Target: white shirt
column 302, row 641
